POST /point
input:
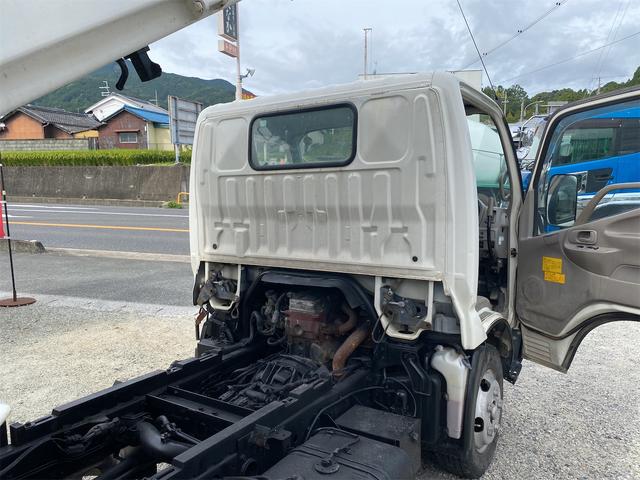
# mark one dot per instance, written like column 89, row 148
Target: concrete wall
column 45, row 144
column 110, row 182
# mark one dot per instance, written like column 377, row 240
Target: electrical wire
column 520, row 31
column 613, row 33
column 582, row 54
column 477, row 50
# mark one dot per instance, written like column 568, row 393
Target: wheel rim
column 488, row 411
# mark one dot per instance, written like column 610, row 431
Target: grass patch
column 92, row 158
column 172, row 204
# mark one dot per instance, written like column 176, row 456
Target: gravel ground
column 584, row 425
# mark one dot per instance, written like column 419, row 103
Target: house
column 129, row 122
column 32, row 122
column 132, row 127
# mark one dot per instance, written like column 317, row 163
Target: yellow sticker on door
column 552, row 269
column 554, row 277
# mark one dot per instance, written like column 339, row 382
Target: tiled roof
column 67, row 121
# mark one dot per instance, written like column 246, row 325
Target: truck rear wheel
column 483, row 413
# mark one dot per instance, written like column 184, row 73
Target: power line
column 582, row 54
column 604, row 53
column 477, row 49
column 521, row 31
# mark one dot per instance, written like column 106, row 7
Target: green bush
column 172, row 204
column 92, row 157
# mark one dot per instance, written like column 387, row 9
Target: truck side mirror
column 562, row 199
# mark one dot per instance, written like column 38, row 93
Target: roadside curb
column 22, row 246
column 104, row 202
column 153, row 257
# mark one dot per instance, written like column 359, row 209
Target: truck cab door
column 579, row 256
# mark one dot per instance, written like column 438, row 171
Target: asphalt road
column 128, row 229
column 75, row 280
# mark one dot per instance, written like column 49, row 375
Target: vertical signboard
column 228, row 23
column 183, row 115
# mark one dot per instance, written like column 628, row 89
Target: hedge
column 91, row 157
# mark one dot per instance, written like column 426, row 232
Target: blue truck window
column 601, row 147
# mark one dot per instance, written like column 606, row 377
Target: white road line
column 31, row 205
column 19, row 216
column 108, row 213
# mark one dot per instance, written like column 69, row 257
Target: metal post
column 176, row 148
column 6, row 215
column 366, row 60
column 239, row 74
column 14, row 301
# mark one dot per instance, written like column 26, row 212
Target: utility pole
column 366, row 59
column 598, row 85
column 504, row 102
column 522, row 110
column 238, row 72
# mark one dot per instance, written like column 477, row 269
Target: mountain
column 84, row 92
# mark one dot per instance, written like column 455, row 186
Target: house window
column 128, row 137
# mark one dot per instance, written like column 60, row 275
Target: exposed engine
column 315, row 331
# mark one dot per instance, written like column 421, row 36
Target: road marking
column 104, row 227
column 155, row 257
column 32, row 205
column 106, row 213
column 19, row 216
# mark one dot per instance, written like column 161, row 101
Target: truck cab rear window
column 313, row 138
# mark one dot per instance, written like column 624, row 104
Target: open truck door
column 579, row 258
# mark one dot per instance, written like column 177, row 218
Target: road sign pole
column 14, row 301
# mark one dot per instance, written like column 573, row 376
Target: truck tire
column 471, row 457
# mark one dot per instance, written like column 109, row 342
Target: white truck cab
column 412, row 176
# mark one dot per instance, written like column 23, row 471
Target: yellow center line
column 106, row 227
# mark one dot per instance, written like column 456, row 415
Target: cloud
column 301, row 44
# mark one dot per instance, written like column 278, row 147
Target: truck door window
column 488, row 157
column 598, row 147
column 319, row 137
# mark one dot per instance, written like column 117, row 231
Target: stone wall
column 149, row 182
column 45, row 144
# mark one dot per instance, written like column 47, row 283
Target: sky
column 301, row 44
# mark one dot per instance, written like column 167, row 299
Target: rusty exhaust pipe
column 351, row 322
column 343, row 353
